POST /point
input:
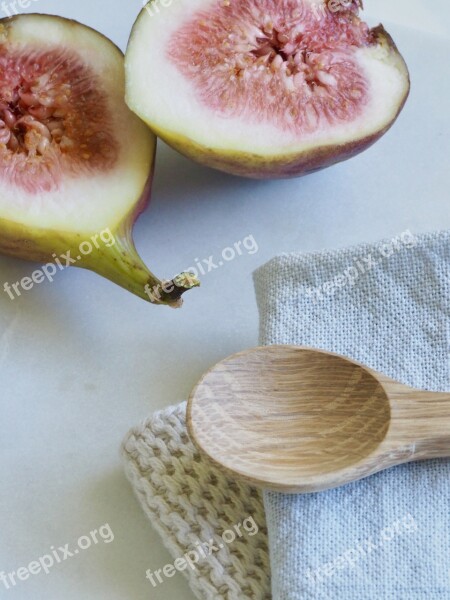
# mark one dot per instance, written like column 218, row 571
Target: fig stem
column 122, row 265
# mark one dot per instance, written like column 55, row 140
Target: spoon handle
column 421, row 419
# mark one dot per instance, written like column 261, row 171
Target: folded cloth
column 192, row 506
column 385, row 538
column 387, row 306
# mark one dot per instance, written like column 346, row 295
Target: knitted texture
column 385, row 305
column 188, row 500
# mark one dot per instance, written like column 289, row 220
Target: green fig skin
column 119, row 262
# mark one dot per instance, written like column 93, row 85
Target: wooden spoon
column 296, row 419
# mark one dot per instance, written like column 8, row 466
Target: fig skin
column 277, row 166
column 120, row 262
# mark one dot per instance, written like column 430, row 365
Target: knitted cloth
column 385, row 538
column 188, row 500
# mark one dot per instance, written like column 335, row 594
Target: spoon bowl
column 296, row 419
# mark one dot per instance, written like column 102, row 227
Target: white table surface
column 82, row 361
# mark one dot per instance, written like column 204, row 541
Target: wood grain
column 300, row 420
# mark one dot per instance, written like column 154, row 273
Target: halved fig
column 264, row 88
column 75, row 162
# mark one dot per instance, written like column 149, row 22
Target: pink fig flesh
column 54, row 121
column 264, row 88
